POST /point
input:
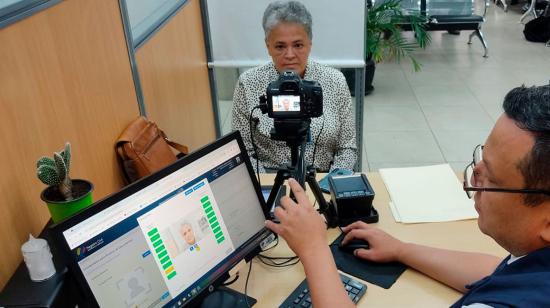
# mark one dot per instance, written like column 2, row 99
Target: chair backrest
column 438, row 7
column 449, row 7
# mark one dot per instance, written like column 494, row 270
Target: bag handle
column 179, row 147
column 139, row 124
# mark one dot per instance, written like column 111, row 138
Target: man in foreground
column 509, row 179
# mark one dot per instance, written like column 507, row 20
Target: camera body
column 290, row 97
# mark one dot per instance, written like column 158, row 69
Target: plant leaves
column 384, row 33
column 60, row 166
column 66, row 154
column 48, row 175
column 44, row 160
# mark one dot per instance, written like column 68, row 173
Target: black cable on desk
column 272, row 261
column 246, row 284
column 231, row 281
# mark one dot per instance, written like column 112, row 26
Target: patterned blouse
column 336, row 147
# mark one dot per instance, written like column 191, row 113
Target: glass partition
column 145, row 17
column 14, row 10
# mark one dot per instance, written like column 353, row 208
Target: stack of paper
column 427, row 194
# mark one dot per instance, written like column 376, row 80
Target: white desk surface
column 270, row 286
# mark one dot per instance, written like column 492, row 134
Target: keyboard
column 300, row 296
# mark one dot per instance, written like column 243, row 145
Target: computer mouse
column 354, row 244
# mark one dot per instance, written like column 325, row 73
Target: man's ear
column 545, row 232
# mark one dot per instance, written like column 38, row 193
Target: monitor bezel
column 248, row 250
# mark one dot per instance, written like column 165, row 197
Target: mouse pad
column 380, row 274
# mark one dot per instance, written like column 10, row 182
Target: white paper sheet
column 427, row 194
column 394, row 212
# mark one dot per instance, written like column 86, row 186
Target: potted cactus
column 63, row 196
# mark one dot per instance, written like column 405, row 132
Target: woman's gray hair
column 286, row 11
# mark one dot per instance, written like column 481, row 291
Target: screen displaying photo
column 283, row 103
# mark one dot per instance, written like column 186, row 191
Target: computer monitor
column 164, row 240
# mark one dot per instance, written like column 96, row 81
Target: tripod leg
column 281, row 176
column 324, row 207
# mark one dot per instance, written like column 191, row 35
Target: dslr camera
column 290, row 97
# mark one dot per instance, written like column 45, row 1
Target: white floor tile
column 438, row 95
column 394, row 118
column 402, row 147
column 459, row 145
column 457, row 118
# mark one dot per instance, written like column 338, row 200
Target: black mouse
column 354, row 244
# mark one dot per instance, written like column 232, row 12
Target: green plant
column 384, row 33
column 55, row 172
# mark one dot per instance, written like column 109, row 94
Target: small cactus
column 56, row 171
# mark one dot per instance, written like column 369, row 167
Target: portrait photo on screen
column 286, row 103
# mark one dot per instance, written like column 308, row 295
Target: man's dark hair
column 529, row 107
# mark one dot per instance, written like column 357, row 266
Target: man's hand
column 305, row 233
column 383, row 247
column 453, row 268
column 300, row 225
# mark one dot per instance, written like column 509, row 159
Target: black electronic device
column 354, row 244
column 170, row 239
column 352, row 197
column 301, row 298
column 290, row 97
column 323, row 183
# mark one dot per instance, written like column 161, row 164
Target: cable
column 253, row 144
column 317, row 140
column 274, row 245
column 272, row 261
column 246, row 284
column 231, row 281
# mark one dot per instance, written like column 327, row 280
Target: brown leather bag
column 143, row 148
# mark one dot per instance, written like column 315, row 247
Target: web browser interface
column 158, row 246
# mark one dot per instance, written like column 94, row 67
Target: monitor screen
column 164, row 240
column 284, row 103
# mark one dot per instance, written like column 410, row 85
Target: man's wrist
column 313, row 253
column 401, row 252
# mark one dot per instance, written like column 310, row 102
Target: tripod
column 294, row 132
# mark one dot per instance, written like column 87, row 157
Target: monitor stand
column 224, row 297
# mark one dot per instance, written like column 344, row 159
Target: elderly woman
column 287, row 27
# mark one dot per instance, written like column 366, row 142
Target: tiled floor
column 439, row 114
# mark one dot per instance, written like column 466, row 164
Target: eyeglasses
column 469, row 179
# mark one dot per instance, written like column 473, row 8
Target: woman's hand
column 383, row 247
column 301, row 226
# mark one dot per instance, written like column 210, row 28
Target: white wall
column 237, row 36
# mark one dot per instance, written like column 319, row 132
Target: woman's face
column 289, row 46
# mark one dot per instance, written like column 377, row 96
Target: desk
column 270, row 286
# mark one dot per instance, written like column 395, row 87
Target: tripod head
column 294, row 132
